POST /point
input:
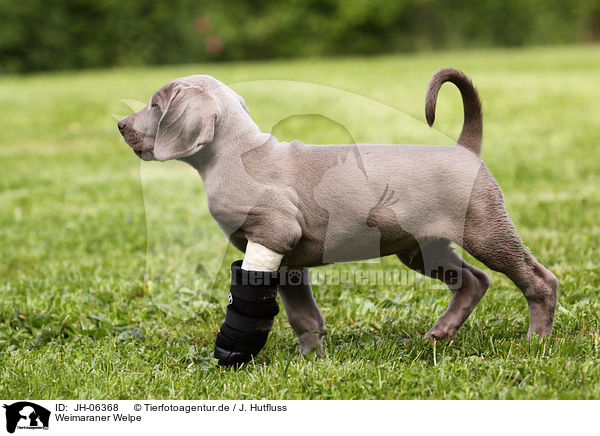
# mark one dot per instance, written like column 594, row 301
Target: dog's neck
column 228, row 146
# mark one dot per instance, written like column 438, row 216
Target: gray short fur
column 318, row 204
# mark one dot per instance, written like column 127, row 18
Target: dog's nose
column 121, row 125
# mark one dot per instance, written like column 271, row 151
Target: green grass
column 113, row 276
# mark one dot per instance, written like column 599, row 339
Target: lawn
column 113, row 276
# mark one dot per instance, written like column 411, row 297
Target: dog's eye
column 154, row 105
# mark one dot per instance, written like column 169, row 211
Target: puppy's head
column 179, row 120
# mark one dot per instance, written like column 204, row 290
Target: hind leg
column 467, row 284
column 502, row 250
column 490, row 236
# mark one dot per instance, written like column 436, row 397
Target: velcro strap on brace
column 247, row 324
column 232, row 339
column 249, row 316
column 252, row 294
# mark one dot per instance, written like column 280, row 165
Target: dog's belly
column 311, row 253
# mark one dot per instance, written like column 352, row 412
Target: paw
column 542, row 330
column 311, row 342
column 541, row 318
column 439, row 333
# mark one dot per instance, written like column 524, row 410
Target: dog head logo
column 26, row 415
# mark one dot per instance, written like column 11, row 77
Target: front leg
column 252, row 306
column 302, row 310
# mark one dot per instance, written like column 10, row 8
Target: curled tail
column 471, row 134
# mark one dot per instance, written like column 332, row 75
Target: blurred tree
column 64, row 34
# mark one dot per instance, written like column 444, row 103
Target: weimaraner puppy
column 308, row 205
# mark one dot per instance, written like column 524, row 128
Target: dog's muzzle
column 135, row 141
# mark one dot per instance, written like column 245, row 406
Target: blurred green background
column 58, row 34
column 111, row 283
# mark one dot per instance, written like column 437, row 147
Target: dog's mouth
column 136, row 142
column 147, row 154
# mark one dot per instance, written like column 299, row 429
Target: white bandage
column 259, row 258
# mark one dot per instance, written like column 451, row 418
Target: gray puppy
column 318, row 204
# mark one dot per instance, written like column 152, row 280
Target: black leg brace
column 249, row 317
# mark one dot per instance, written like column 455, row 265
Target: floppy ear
column 187, row 124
